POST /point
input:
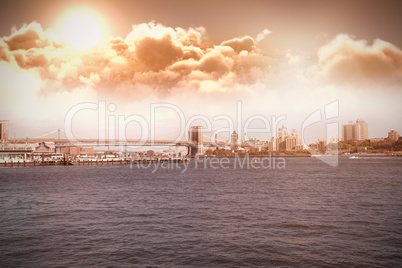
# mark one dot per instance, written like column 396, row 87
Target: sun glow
column 81, row 29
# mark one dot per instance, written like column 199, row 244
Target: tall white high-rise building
column 393, row 135
column 234, row 141
column 363, row 129
column 355, row 131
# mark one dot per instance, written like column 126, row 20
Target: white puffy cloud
column 345, row 60
column 261, row 36
column 164, row 58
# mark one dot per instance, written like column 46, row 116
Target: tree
column 209, row 152
column 220, row 152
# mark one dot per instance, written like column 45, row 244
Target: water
column 308, row 214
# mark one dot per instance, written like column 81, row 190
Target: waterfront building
column 285, row 141
column 280, row 143
column 3, row 131
column 256, row 145
column 299, row 147
column 272, row 144
column 393, row 135
column 234, row 141
column 334, row 139
column 45, row 148
column 75, row 150
column 282, row 131
column 355, row 131
column 322, row 145
column 150, row 153
column 16, row 154
column 363, row 126
column 350, row 131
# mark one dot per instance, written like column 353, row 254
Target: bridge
column 195, row 142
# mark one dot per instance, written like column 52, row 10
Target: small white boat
column 353, row 157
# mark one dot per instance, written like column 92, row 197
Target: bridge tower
column 195, row 138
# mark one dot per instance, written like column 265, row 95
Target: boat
column 353, row 157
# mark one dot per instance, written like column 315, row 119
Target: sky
column 199, row 60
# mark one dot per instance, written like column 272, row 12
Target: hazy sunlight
column 81, row 30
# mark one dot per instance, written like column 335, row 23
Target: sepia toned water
column 308, row 214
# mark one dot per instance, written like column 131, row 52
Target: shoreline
column 139, row 161
column 312, row 156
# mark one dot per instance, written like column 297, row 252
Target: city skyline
column 288, row 58
column 357, row 131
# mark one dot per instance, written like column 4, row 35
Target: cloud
column 163, row 58
column 239, row 44
column 29, row 36
column 261, row 36
column 156, row 54
column 345, row 60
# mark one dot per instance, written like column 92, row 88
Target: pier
column 92, row 162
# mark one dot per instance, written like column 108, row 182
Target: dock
column 91, row 162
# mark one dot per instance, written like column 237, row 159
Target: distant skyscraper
column 355, row 131
column 285, row 141
column 347, row 131
column 321, row 145
column 282, row 131
column 272, row 145
column 393, row 135
column 363, row 129
column 234, row 140
column 3, row 130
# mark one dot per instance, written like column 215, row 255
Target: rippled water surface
column 308, row 214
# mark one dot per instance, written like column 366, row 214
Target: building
column 282, row 131
column 234, row 138
column 44, row 148
column 363, row 129
column 322, row 144
column 255, row 144
column 355, row 131
column 347, row 132
column 393, row 135
column 150, row 153
column 334, row 139
column 75, row 150
column 3, row 131
column 285, row 141
column 195, row 137
column 272, row 145
column 350, row 131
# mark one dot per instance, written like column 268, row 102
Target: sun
column 81, row 29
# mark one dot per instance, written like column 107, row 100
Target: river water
column 305, row 213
